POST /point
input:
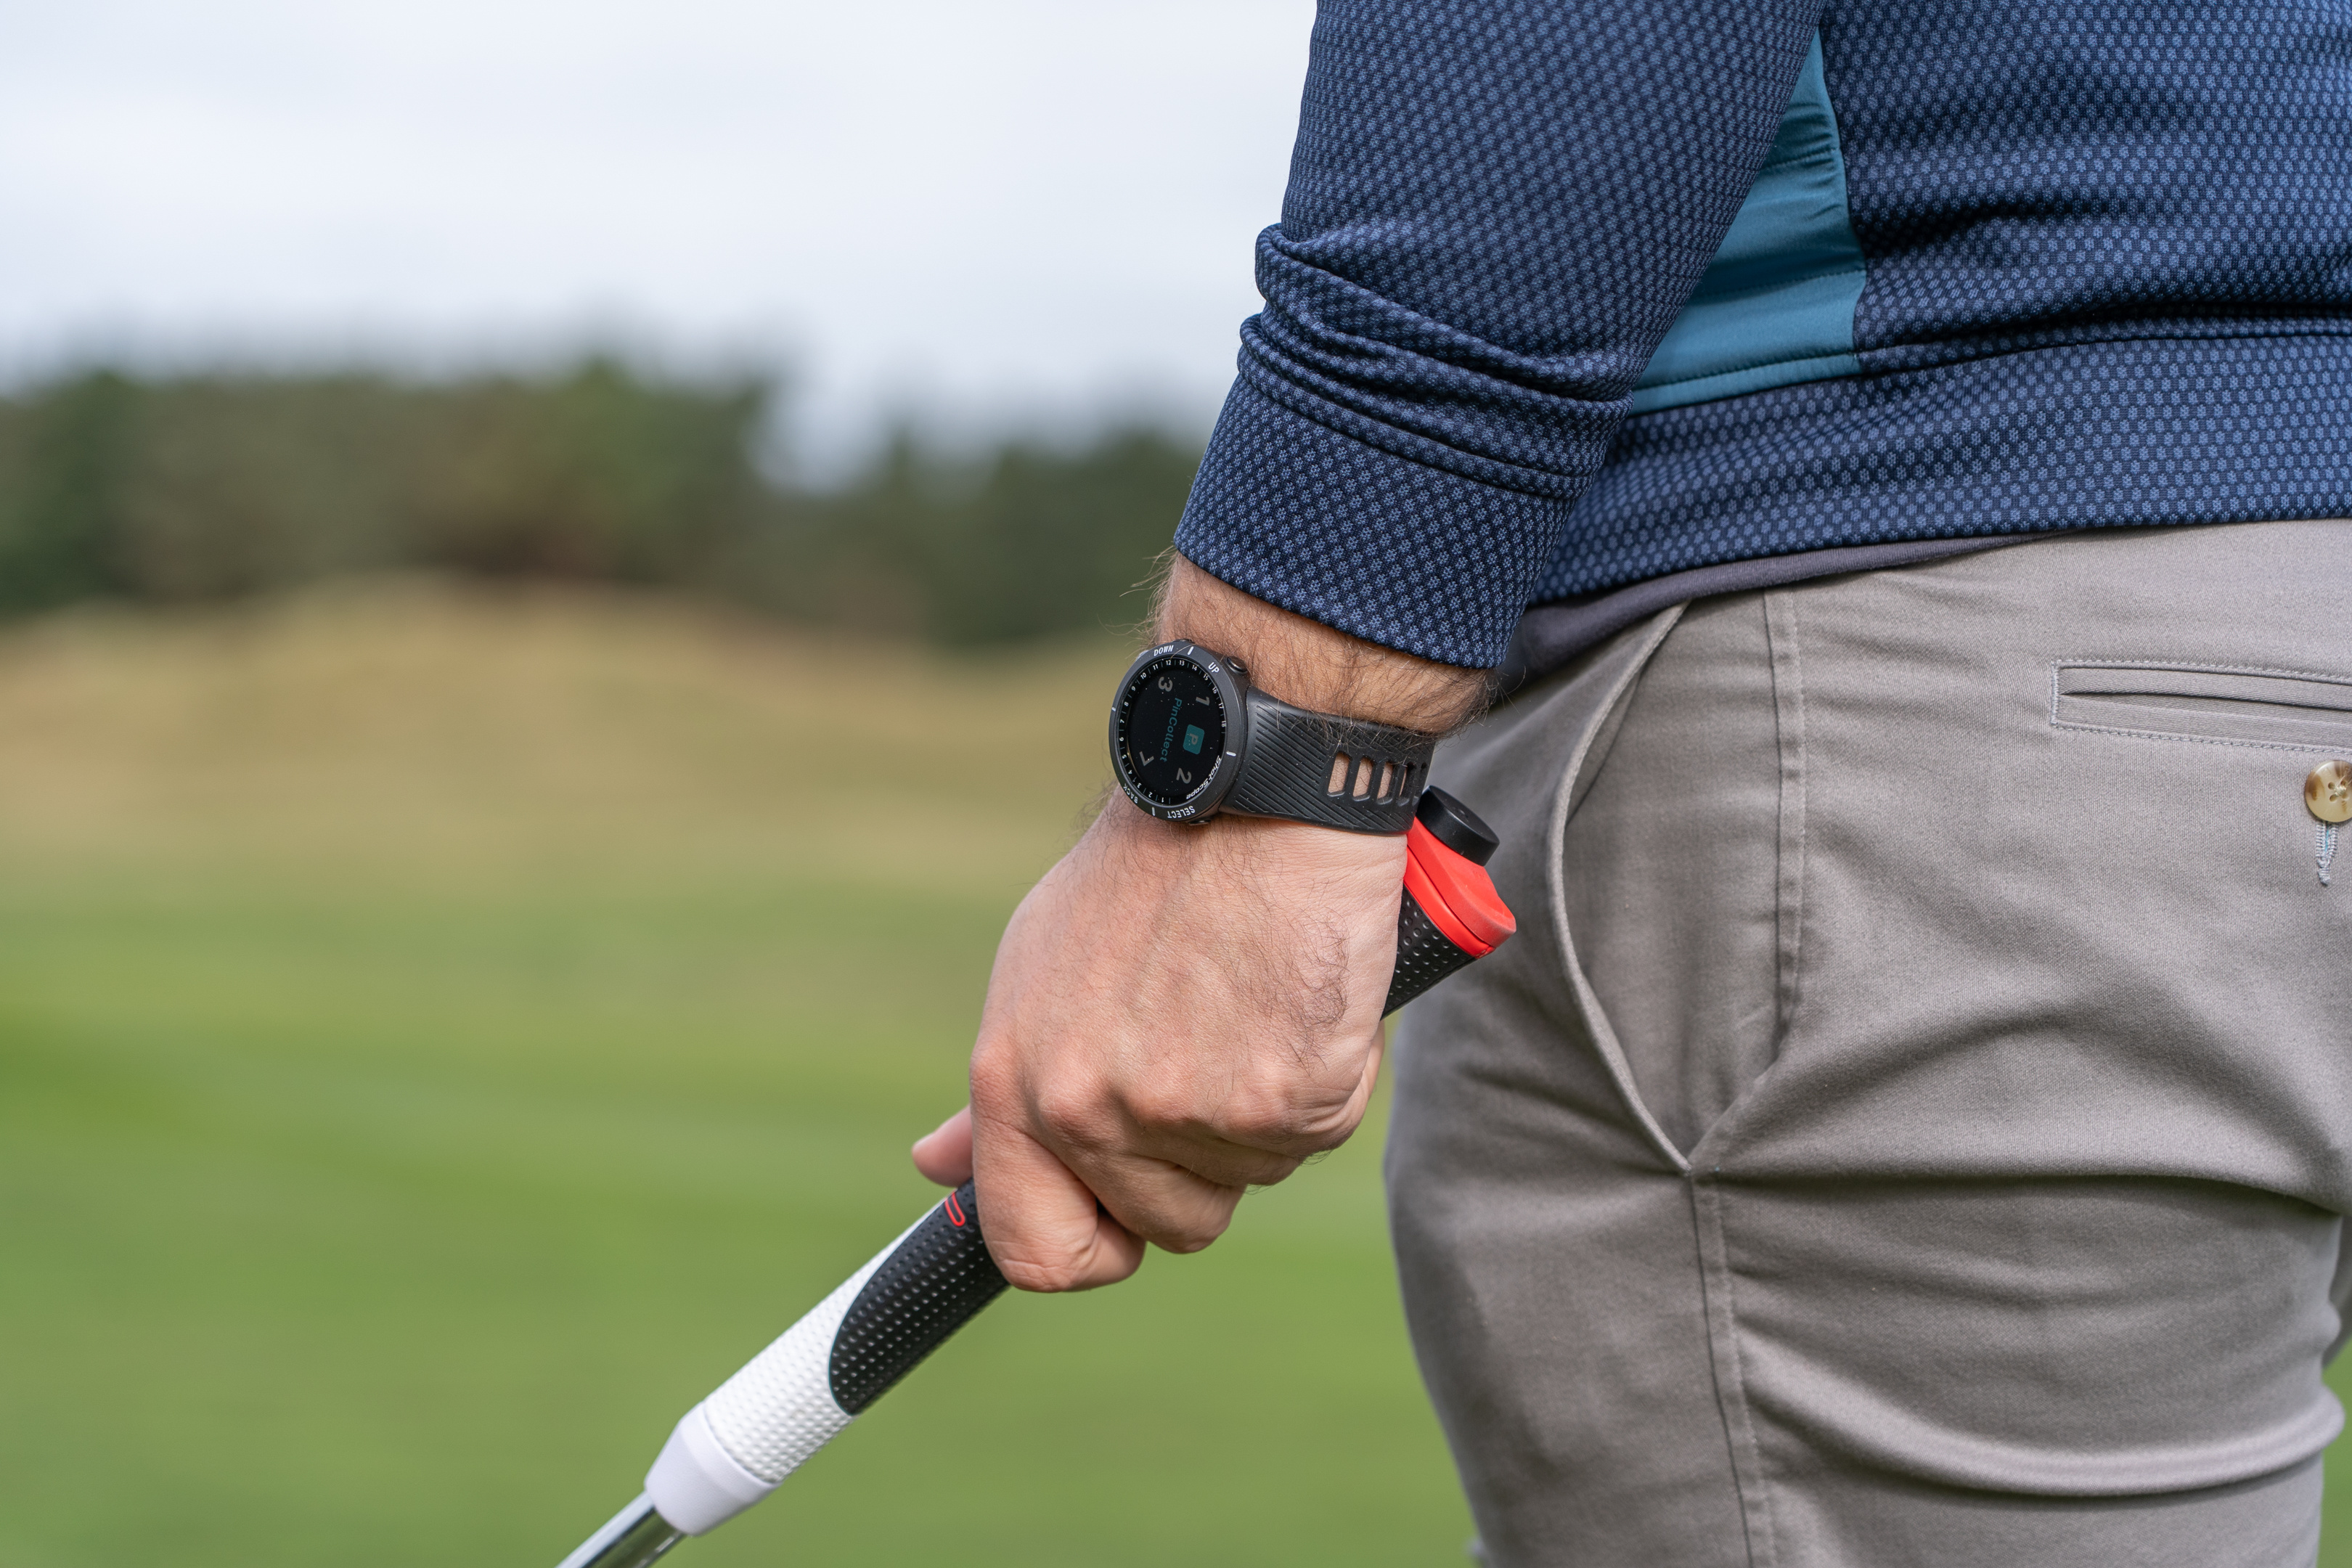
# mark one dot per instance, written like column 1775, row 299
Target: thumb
column 944, row 1154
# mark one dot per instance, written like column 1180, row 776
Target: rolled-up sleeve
column 1494, row 212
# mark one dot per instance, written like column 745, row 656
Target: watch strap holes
column 1368, row 778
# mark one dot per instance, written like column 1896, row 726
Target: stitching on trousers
column 2326, row 852
column 1604, row 1038
column 2059, row 665
column 1724, row 1361
column 1788, row 887
column 2182, row 667
column 2195, row 740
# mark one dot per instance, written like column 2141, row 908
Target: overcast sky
column 1021, row 209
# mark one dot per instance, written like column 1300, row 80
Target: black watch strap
column 1332, row 771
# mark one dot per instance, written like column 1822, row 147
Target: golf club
column 793, row 1397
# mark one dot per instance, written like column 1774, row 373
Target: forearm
column 1309, row 664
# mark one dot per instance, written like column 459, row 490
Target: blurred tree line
column 206, row 488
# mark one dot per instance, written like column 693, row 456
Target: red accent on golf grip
column 1450, row 916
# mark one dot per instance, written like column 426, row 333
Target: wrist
column 1313, row 666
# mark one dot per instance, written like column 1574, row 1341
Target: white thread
column 2326, row 852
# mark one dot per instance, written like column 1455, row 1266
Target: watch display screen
column 1172, row 729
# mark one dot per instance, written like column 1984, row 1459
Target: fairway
column 440, row 1038
column 443, row 1034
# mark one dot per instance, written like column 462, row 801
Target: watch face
column 1172, row 729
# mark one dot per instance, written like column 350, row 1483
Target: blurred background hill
column 198, row 489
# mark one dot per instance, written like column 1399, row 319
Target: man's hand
column 1178, row 1012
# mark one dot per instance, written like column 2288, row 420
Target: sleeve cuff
column 1378, row 546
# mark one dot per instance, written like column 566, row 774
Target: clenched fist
column 1177, row 1011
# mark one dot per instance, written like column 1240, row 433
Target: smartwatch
column 1190, row 737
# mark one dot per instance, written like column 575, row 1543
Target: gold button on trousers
column 1914, row 1124
column 2327, row 791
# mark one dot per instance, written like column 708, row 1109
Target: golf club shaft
column 630, row 1538
column 790, row 1400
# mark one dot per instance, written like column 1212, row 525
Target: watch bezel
column 1232, row 690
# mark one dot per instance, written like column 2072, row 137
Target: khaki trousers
column 1913, row 1121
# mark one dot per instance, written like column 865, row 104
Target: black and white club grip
column 928, row 1286
column 793, row 1397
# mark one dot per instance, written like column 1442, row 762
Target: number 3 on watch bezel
column 1210, row 699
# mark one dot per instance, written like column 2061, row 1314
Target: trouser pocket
column 2298, row 709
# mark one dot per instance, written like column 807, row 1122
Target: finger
column 1043, row 1227
column 944, row 1154
column 1165, row 1204
column 1102, row 1143
column 1361, row 1100
column 1214, row 1159
column 1260, row 1130
column 1266, row 1150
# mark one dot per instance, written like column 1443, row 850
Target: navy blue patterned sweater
column 1572, row 294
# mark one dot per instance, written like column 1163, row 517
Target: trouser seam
column 1730, row 1385
column 1789, row 716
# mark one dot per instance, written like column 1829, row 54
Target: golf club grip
column 793, row 1397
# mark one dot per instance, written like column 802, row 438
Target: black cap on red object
column 1456, row 826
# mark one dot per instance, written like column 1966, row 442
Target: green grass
column 440, row 1038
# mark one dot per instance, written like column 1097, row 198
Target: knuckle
column 1071, row 1111
column 1276, row 1112
column 995, row 1076
column 1261, row 1121
column 1162, row 1107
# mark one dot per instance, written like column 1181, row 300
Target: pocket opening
column 2288, row 709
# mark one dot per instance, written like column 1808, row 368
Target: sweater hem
column 2116, row 434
